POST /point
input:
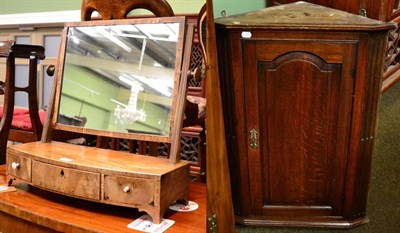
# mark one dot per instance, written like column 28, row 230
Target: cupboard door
column 298, row 106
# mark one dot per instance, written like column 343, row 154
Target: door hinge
column 212, row 226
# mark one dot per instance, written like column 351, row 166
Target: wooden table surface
column 29, row 209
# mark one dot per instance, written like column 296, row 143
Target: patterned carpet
column 383, row 207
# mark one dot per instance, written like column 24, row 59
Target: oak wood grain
column 301, row 90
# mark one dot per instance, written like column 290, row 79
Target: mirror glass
column 120, row 77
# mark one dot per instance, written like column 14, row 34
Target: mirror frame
column 176, row 111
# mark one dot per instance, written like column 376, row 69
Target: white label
column 246, row 34
column 185, row 208
column 145, row 224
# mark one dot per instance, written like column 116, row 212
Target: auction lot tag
column 145, row 224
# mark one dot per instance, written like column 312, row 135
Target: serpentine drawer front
column 65, row 180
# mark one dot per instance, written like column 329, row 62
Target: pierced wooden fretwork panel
column 190, row 148
column 393, row 52
column 391, row 73
column 193, row 149
column 163, row 149
column 125, row 145
column 196, row 62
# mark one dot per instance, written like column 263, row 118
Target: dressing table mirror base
column 147, row 183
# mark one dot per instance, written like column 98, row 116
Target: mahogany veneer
column 30, row 209
column 300, row 87
column 144, row 182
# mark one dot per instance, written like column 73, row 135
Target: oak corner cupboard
column 300, row 86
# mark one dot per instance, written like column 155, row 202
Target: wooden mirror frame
column 178, row 91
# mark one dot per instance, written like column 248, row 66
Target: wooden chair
column 120, row 9
column 19, row 129
column 22, row 124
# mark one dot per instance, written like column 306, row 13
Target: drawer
column 19, row 166
column 129, row 191
column 67, row 181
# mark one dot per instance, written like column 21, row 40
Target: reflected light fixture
column 129, row 114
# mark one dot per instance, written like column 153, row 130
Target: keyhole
column 62, row 173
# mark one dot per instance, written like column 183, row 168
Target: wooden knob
column 14, row 165
column 195, row 75
column 50, row 70
column 126, row 189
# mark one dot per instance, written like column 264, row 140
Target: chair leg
column 4, row 132
column 3, row 149
column 4, row 128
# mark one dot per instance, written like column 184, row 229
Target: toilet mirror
column 120, row 77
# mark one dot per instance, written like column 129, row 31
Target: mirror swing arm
column 150, row 184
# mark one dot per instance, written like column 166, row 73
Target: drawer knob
column 14, row 165
column 126, row 189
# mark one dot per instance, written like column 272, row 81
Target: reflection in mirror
column 119, row 77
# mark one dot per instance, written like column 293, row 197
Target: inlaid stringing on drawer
column 65, row 180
